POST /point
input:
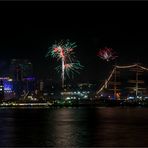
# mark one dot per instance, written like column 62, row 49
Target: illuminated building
column 1, row 90
column 82, row 92
column 8, row 87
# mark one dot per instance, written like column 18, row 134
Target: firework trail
column 70, row 68
column 64, row 51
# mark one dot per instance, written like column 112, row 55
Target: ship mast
column 136, row 89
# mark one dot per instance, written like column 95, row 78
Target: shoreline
column 48, row 105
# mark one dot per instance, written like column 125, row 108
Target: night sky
column 27, row 29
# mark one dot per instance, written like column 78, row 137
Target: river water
column 74, row 127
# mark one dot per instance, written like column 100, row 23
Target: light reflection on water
column 70, row 127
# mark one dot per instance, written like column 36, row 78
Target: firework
column 107, row 54
column 64, row 51
column 70, row 68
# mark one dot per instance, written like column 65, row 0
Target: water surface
column 71, row 127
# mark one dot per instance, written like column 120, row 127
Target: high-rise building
column 21, row 71
column 20, row 68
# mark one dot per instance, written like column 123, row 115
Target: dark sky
column 28, row 28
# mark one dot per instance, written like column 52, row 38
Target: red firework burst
column 107, row 54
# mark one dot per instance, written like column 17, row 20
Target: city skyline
column 73, row 74
column 27, row 30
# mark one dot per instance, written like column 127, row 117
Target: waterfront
column 74, row 126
